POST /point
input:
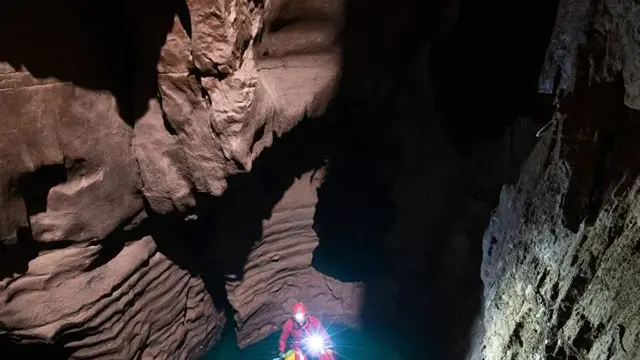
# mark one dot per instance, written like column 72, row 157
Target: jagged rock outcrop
column 561, row 266
column 115, row 116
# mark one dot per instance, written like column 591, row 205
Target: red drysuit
column 297, row 332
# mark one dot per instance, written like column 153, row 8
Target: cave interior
column 437, row 109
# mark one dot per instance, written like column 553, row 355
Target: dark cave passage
column 400, row 230
column 412, row 179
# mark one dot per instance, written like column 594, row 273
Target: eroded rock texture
column 114, row 116
column 278, row 271
column 143, row 184
column 561, row 266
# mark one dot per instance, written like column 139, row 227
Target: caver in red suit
column 300, row 326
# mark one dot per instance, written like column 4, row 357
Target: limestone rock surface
column 560, row 265
column 114, row 116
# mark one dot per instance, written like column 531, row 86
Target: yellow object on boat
column 290, row 355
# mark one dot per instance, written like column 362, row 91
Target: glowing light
column 314, row 344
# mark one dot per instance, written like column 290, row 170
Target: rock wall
column 155, row 171
column 279, row 271
column 117, row 118
column 560, row 266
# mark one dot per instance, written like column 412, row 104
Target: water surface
column 351, row 344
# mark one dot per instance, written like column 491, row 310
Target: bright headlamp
column 314, row 344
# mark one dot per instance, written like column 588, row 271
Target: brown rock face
column 156, row 170
column 561, row 261
column 115, row 115
column 278, row 271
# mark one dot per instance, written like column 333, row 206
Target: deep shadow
column 15, row 257
column 216, row 244
column 488, row 66
column 130, row 230
column 182, row 242
column 231, row 224
column 482, row 82
column 11, row 350
column 354, row 212
column 98, row 45
column 34, row 186
column 356, row 204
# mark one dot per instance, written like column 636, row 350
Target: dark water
column 351, row 344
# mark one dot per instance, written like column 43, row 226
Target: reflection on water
column 350, row 344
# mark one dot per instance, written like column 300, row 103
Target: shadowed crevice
column 97, row 45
